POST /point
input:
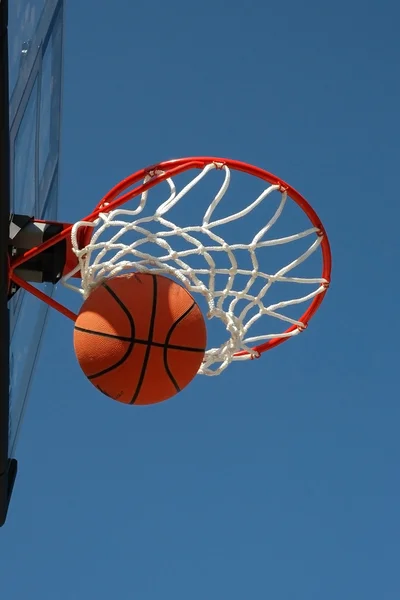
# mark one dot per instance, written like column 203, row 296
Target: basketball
column 140, row 338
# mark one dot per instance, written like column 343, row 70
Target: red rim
column 171, row 168
column 119, row 195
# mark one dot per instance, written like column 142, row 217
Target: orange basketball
column 140, row 338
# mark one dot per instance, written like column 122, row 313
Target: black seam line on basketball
column 132, row 339
column 166, row 347
column 123, row 338
column 150, row 339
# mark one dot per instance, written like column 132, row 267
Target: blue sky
column 279, row 479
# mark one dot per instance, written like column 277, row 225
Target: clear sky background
column 280, row 479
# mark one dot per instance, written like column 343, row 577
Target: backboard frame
column 8, row 467
column 34, row 71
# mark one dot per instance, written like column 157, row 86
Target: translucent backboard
column 35, row 34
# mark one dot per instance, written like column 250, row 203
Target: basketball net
column 238, row 306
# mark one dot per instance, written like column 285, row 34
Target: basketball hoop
column 126, row 237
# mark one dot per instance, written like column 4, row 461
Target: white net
column 130, row 240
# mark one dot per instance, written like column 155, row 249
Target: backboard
column 29, row 186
